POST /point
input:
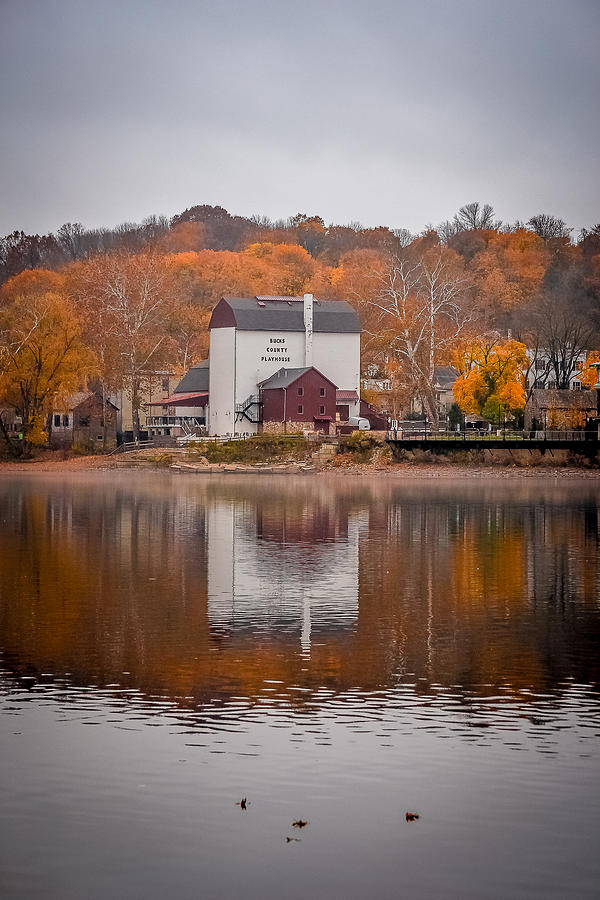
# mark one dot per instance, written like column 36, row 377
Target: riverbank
column 178, row 463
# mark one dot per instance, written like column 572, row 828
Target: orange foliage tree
column 509, row 270
column 42, row 355
column 491, row 377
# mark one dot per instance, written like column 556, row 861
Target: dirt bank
column 178, row 464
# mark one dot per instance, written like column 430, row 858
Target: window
column 321, row 410
column 301, row 392
column 65, row 421
column 321, row 392
column 84, row 421
column 540, row 365
column 57, row 421
column 576, row 386
column 165, row 384
column 580, row 365
column 300, row 409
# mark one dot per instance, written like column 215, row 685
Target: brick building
column 299, row 399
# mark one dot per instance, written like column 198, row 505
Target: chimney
column 308, row 329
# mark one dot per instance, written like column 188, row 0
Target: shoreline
column 431, row 470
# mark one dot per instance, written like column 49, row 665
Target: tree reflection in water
column 202, row 589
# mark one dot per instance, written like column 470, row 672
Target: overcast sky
column 390, row 112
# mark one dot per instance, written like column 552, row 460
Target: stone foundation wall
column 498, row 457
column 291, row 427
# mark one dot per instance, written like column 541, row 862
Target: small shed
column 297, row 400
column 344, row 402
column 560, row 410
column 84, row 421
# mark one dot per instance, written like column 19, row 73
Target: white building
column 542, row 375
column 251, row 338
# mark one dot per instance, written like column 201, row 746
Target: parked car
column 359, row 423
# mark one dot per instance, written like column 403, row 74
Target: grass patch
column 163, row 460
column 259, row 448
column 360, row 444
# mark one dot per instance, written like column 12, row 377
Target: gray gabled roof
column 284, row 377
column 556, row 398
column 195, row 379
column 253, row 314
column 72, row 401
column 445, row 376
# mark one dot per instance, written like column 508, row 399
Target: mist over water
column 341, row 651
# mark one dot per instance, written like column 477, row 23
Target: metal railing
column 242, row 409
column 497, row 434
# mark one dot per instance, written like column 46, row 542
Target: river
column 338, row 651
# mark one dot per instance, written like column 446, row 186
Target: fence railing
column 497, row 434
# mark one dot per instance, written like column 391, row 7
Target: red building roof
column 196, row 399
column 346, row 396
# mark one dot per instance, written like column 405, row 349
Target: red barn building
column 298, row 400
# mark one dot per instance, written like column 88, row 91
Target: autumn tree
column 507, row 273
column 187, row 327
column 474, row 216
column 491, row 377
column 422, row 301
column 284, row 269
column 310, row 230
column 590, row 375
column 126, row 302
column 548, row 227
column 42, row 356
column 563, row 333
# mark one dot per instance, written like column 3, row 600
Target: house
column 444, row 378
column 561, row 410
column 185, row 410
column 298, row 400
column 152, row 386
column 542, row 375
column 11, row 424
column 84, row 421
column 251, row 338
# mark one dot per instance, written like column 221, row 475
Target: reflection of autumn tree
column 456, row 587
column 462, row 590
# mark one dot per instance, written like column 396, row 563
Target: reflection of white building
column 262, row 584
column 252, row 338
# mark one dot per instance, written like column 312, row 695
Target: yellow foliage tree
column 491, row 377
column 42, row 357
column 590, row 374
